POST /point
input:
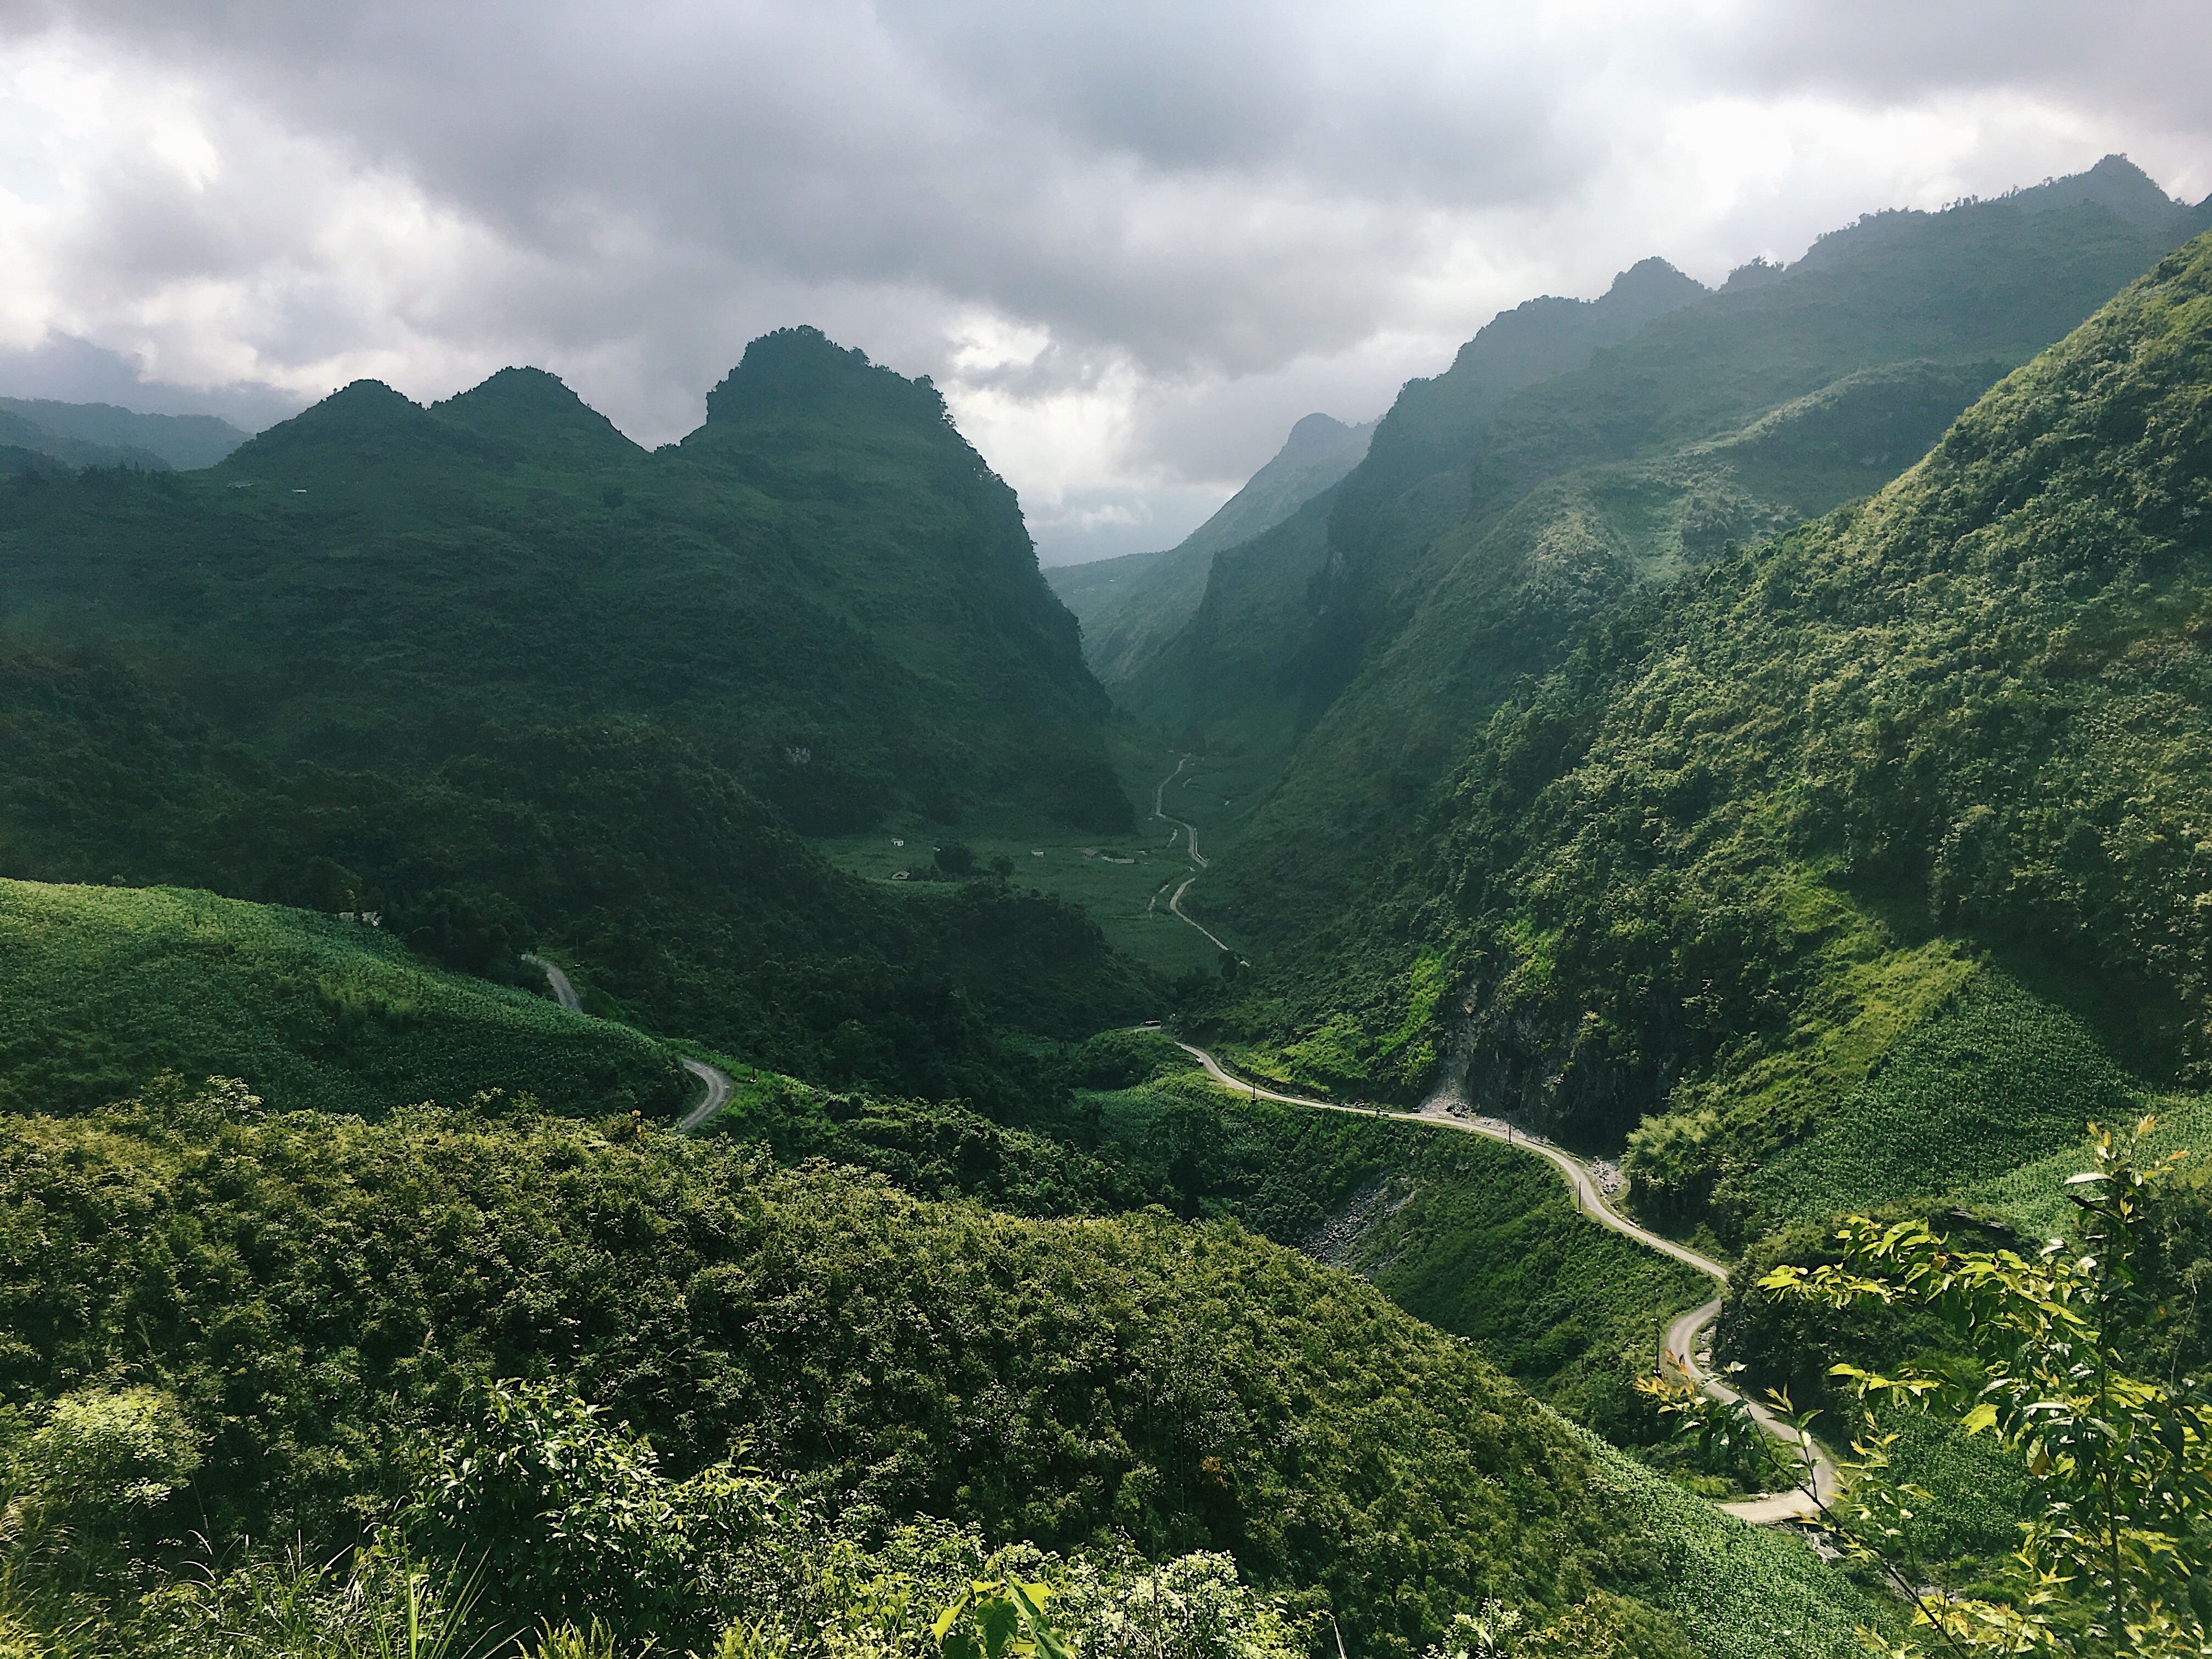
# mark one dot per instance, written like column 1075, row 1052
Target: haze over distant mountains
column 1124, row 604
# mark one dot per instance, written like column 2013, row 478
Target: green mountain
column 1130, row 606
column 493, row 670
column 30, row 446
column 1448, row 570
column 1233, row 664
column 182, row 441
column 1867, row 864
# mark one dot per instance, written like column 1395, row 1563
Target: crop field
column 1996, row 1079
column 2032, row 1197
column 1741, row 1592
column 102, row 988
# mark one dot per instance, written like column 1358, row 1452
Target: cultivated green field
column 101, row 988
column 1123, row 882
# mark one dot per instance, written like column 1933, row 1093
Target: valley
column 679, row 1050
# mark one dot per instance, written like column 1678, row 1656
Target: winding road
column 1684, row 1337
column 1190, row 846
column 719, row 1086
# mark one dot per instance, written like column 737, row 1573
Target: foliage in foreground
column 2058, row 1356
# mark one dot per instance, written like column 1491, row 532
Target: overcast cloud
column 1132, row 243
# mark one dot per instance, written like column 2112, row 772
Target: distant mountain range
column 38, row 433
column 1129, row 605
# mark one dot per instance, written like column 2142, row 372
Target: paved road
column 719, row 1086
column 564, row 992
column 1684, row 1337
column 718, row 1092
column 1189, row 829
column 1190, row 839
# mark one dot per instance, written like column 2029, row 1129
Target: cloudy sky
column 1132, row 242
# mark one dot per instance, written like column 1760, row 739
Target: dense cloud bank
column 1131, row 243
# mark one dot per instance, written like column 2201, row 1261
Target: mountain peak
column 2115, row 183
column 1319, row 433
column 363, row 425
column 1650, row 288
column 540, row 414
column 797, row 370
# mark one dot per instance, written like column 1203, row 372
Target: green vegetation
column 305, row 1293
column 101, row 988
column 1759, row 831
column 678, row 901
column 101, row 435
column 2083, row 1364
column 1130, row 607
column 1496, row 520
column 495, row 672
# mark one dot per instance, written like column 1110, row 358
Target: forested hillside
column 1237, row 666
column 1880, row 842
column 883, row 1356
column 1452, row 568
column 494, row 671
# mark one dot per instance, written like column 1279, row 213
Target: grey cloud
column 1233, row 213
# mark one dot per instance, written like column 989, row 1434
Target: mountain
column 38, row 444
column 491, row 668
column 1129, row 606
column 1864, row 865
column 182, row 441
column 1231, row 671
column 1716, row 422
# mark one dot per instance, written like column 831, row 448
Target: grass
column 1739, row 1590
column 1994, row 1080
column 1123, row 882
column 2032, row 1197
column 100, row 988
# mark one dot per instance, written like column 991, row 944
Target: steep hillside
column 1885, row 835
column 1131, row 606
column 1749, row 410
column 1187, row 1386
column 1392, row 498
column 823, row 587
column 493, row 670
column 104, row 988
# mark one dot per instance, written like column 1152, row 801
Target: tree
column 2121, row 1461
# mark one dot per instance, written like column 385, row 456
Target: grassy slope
column 1752, row 409
column 102, row 988
column 1192, row 1386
